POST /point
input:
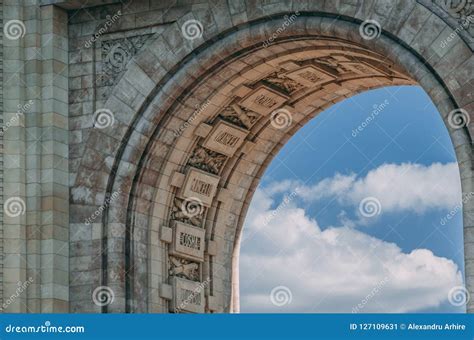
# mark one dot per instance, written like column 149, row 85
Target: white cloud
column 398, row 187
column 336, row 269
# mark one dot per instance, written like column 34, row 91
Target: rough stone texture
column 122, row 98
column 1, row 154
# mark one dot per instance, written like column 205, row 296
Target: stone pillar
column 36, row 195
column 54, row 161
column 14, row 149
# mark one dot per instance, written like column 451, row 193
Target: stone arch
column 317, row 60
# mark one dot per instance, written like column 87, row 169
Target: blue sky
column 402, row 157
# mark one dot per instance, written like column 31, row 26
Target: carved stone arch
column 320, row 57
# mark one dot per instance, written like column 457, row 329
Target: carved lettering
column 190, row 297
column 201, row 187
column 227, row 139
column 265, row 101
column 311, row 76
column 190, row 241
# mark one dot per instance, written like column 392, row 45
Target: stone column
column 54, row 161
column 36, row 195
column 14, row 148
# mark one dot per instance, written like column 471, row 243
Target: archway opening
column 359, row 212
column 209, row 129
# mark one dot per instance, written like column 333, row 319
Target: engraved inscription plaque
column 188, row 296
column 201, row 185
column 363, row 68
column 310, row 76
column 263, row 100
column 225, row 138
column 188, row 241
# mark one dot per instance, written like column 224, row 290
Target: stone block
column 203, row 130
column 166, row 291
column 166, row 234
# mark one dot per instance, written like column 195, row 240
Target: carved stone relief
column 116, row 53
column 207, row 160
column 180, row 212
column 184, row 268
column 284, row 83
column 239, row 116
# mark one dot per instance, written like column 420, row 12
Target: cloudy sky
column 354, row 220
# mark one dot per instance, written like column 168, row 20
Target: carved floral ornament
column 116, row 53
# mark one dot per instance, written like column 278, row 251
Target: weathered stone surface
column 130, row 98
